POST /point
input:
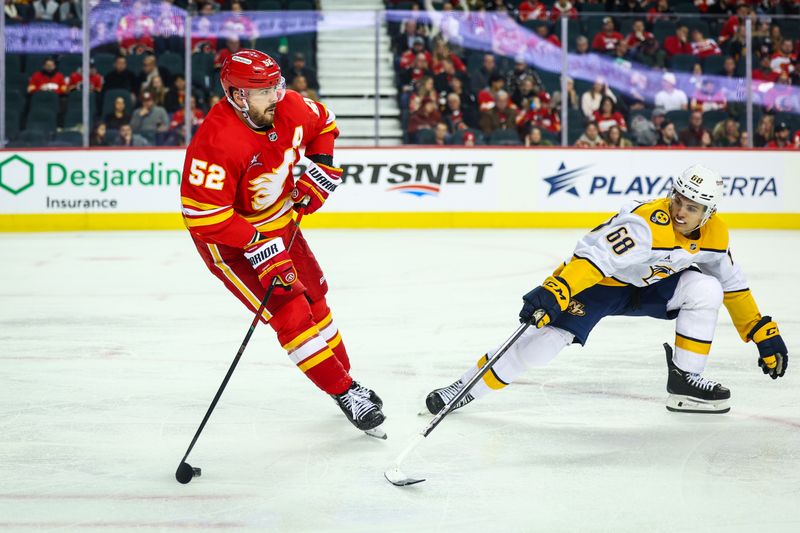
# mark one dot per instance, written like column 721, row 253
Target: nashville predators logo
column 659, row 217
column 657, row 273
column 576, row 308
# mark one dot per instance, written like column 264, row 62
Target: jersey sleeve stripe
column 209, row 220
column 746, row 289
column 186, row 201
column 329, row 128
column 198, row 213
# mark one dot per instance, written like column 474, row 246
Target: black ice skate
column 438, row 398
column 359, row 408
column 692, row 393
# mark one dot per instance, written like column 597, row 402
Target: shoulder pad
column 714, row 235
column 656, row 214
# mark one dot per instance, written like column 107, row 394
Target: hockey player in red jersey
column 238, row 193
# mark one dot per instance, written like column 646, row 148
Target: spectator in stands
column 118, row 116
column 426, row 117
column 480, row 78
column 622, row 55
column 703, row 47
column 175, row 95
column 563, row 8
column 443, row 81
column 75, row 80
column 605, row 41
column 518, row 75
column 590, row 138
column 488, row 96
column 300, row 85
column 693, row 134
column 158, row 90
column 121, row 77
column 581, row 45
column 784, row 60
column 468, row 138
column 468, row 99
column 424, row 89
column 728, row 68
column 45, row 9
column 98, row 136
column 678, row 43
column 501, row 116
column 299, row 68
column 638, row 35
column 150, row 70
column 646, row 132
column 532, row 10
column 12, row 14
column 781, row 139
column 738, row 44
column 128, row 138
column 661, row 11
column 615, row 139
column 796, row 140
column 419, row 69
column 442, row 53
column 744, row 140
column 48, row 79
column 405, row 41
column 607, row 116
column 669, row 97
column 591, row 99
column 539, row 113
column 169, row 28
column 525, row 90
column 709, row 97
column 177, row 129
column 781, row 97
column 70, row 12
column 651, row 54
column 627, row 6
column 668, row 137
column 765, row 131
column 726, row 134
column 135, row 30
column 240, row 25
column 232, row 45
column 458, row 117
column 543, row 31
column 634, row 98
column 534, row 137
column 441, row 135
column 208, row 43
column 150, row 119
column 408, row 57
column 573, row 102
column 731, row 25
column 764, row 72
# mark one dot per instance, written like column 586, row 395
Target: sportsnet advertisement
column 108, row 189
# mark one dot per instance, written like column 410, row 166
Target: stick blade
column 396, row 477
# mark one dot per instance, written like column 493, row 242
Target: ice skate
column 438, row 398
column 692, row 393
column 359, row 408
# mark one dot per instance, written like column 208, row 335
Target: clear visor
column 279, row 90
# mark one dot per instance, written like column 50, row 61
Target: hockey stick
column 393, row 474
column 185, row 471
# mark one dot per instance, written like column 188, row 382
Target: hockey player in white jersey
column 667, row 258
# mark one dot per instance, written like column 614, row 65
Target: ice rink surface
column 113, row 344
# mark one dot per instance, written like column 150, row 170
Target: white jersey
column 638, row 246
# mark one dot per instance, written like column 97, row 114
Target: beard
column 263, row 119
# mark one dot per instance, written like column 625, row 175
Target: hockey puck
column 186, row 472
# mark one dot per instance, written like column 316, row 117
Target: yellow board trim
column 693, row 346
column 314, row 361
column 174, row 221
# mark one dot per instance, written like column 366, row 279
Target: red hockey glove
column 318, row 182
column 270, row 259
column 773, row 357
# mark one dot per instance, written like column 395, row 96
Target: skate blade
column 376, row 433
column 687, row 404
column 396, row 477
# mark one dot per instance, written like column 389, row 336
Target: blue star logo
column 564, row 180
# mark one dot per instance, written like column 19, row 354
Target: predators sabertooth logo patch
column 659, row 217
column 576, row 308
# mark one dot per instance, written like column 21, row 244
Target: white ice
column 113, row 344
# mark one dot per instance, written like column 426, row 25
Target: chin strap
column 245, row 111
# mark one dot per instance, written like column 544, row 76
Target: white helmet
column 702, row 185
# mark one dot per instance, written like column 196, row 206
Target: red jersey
column 705, row 48
column 236, row 180
column 42, row 82
column 532, row 10
column 635, row 40
column 604, row 123
column 606, row 42
column 674, row 46
column 95, row 80
column 178, row 118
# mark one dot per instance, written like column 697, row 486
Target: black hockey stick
column 393, row 474
column 185, row 471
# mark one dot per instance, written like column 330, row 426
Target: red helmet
column 251, row 69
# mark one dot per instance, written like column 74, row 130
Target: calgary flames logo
column 657, row 273
column 267, row 187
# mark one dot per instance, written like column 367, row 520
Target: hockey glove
column 271, row 260
column 772, row 353
column 552, row 297
column 318, row 182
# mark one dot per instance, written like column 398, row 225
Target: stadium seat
column 67, row 64
column 425, row 137
column 202, row 69
column 684, row 62
column 13, row 63
column 172, row 62
column 268, row 45
column 266, row 5
column 103, row 62
column 680, row 117
column 713, row 64
column 300, row 5
column 504, row 138
column 12, row 123
column 663, row 29
column 135, row 63
column 32, row 138
column 44, row 100
column 68, row 138
column 33, row 62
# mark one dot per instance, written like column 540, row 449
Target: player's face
column 686, row 214
column 262, row 104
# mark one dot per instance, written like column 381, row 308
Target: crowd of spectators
column 137, row 82
column 450, row 94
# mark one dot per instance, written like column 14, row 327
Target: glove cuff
column 763, row 330
column 559, row 288
column 264, row 251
